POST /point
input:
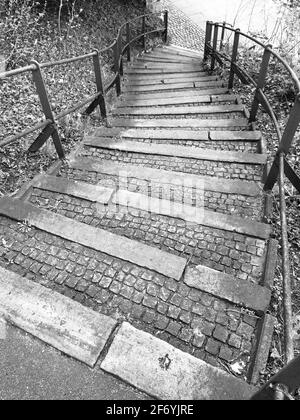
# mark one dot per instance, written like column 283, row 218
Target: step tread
column 98, row 239
column 193, row 215
column 167, row 80
column 188, row 123
column 166, row 177
column 94, row 193
column 160, row 86
column 179, row 110
column 184, row 100
column 53, row 318
column 224, row 286
column 190, row 93
column 192, row 135
column 138, row 358
column 177, row 151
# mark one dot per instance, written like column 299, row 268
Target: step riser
column 178, row 94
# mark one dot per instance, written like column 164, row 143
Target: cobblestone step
column 180, row 60
column 197, row 216
column 176, row 151
column 251, row 189
column 97, row 239
column 190, row 93
column 164, row 372
column 171, row 86
column 251, row 136
column 179, row 110
column 134, row 81
column 128, row 101
column 171, row 72
column 64, row 324
column 187, row 123
column 145, row 77
column 94, row 193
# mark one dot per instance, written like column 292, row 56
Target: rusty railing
column 121, row 46
column 280, row 169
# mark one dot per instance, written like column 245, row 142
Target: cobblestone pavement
column 215, row 330
column 182, row 30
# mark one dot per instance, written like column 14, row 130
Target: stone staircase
column 157, row 220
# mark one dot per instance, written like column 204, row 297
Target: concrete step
column 167, row 66
column 97, row 239
column 189, row 135
column 179, row 110
column 164, row 53
column 174, row 70
column 160, row 176
column 184, row 100
column 184, row 93
column 150, row 58
column 53, row 318
column 187, row 123
column 166, row 373
column 171, row 86
column 176, row 151
column 159, row 76
column 136, row 81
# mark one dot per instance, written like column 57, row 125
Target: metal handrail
column 280, row 167
column 49, row 124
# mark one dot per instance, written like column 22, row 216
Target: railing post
column 45, row 103
column 99, row 83
column 285, row 145
column 120, row 53
column 215, row 44
column 143, row 32
column 128, row 39
column 116, row 68
column 222, row 36
column 261, row 82
column 166, row 22
column 208, row 35
column 234, row 58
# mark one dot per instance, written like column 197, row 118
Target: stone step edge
column 159, row 87
column 166, row 177
column 197, row 215
column 175, row 124
column 194, row 215
column 179, row 110
column 176, row 151
column 55, row 319
column 189, row 135
column 191, row 93
column 164, row 372
column 100, row 240
column 223, row 286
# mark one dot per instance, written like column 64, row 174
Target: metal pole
column 222, row 36
column 234, row 58
column 215, row 44
column 166, row 22
column 261, row 82
column 116, row 68
column 128, row 40
column 208, row 34
column 287, row 299
column 45, row 103
column 99, row 83
column 143, row 32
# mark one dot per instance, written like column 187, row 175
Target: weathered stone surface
column 53, row 318
column 178, row 151
column 162, row 87
column 192, row 214
column 136, row 81
column 167, row 177
column 82, row 190
column 166, row 373
column 98, row 239
column 238, row 291
column 191, row 93
column 189, row 123
column 263, row 348
column 235, row 135
column 178, row 110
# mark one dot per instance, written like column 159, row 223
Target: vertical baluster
column 128, row 39
column 166, row 23
column 234, row 58
column 222, row 36
column 215, row 44
column 45, row 103
column 143, row 32
column 208, row 35
column 261, row 82
column 99, row 83
column 116, row 67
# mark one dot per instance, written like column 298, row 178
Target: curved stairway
column 157, row 220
